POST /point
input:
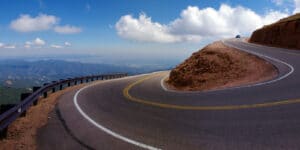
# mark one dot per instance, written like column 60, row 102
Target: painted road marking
column 104, row 129
column 268, row 57
column 126, row 93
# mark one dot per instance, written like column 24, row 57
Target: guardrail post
column 60, row 87
column 69, row 84
column 87, row 80
column 75, row 82
column 34, row 89
column 23, row 97
column 45, row 94
column 4, row 108
column 3, row 133
column 92, row 79
column 54, row 88
column 81, row 81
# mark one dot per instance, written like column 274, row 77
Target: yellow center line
column 187, row 107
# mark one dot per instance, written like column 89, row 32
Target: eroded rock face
column 285, row 33
column 200, row 63
column 217, row 66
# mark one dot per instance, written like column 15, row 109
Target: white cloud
column 38, row 42
column 26, row 23
column 9, row 46
column 67, row 29
column 67, row 44
column 42, row 22
column 143, row 29
column 278, row 2
column 272, row 16
column 195, row 24
column 27, row 44
column 56, row 46
column 297, row 6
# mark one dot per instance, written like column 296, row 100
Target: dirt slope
column 284, row 33
column 217, row 66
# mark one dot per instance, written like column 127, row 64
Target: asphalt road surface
column 138, row 112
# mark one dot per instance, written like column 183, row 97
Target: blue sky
column 127, row 29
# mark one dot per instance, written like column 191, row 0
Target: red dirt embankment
column 217, row 66
column 284, row 33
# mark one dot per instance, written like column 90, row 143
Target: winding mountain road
column 138, row 112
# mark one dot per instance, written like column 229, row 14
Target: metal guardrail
column 29, row 99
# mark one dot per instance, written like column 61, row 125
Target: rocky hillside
column 284, row 33
column 217, row 66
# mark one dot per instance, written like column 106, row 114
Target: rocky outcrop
column 284, row 33
column 217, row 66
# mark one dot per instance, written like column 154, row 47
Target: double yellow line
column 126, row 93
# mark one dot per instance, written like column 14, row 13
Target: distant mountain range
column 22, row 74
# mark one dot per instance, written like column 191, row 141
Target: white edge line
column 162, row 83
column 106, row 130
column 268, row 57
column 245, row 86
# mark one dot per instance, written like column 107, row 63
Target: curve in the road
column 126, row 93
column 266, row 58
column 106, row 130
column 138, row 113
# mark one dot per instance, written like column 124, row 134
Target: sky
column 121, row 31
